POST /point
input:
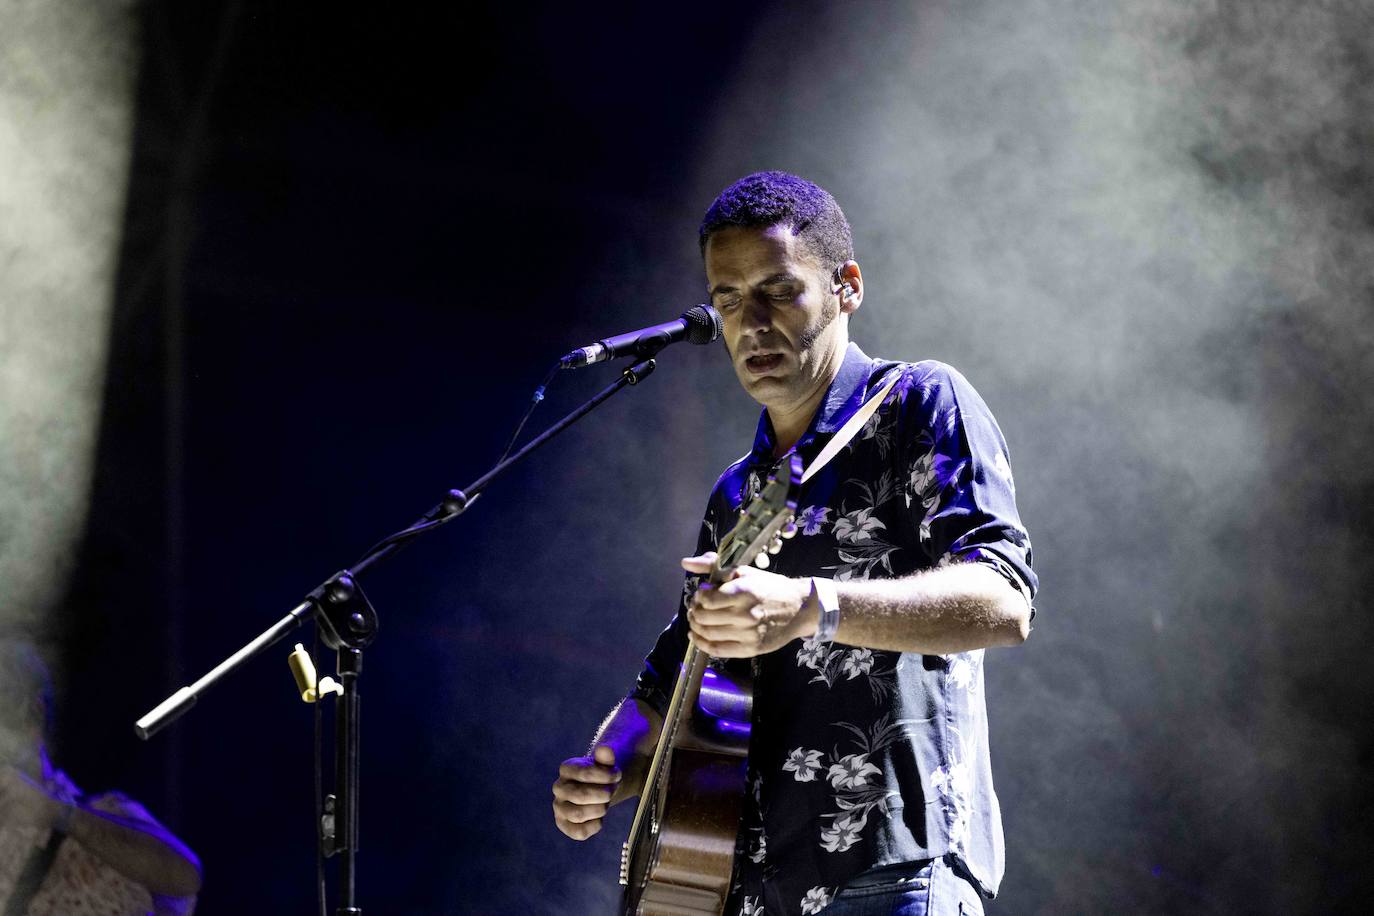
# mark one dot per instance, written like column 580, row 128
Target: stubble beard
column 807, row 355
column 807, row 340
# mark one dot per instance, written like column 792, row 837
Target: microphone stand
column 348, row 624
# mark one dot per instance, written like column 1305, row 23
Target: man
column 870, row 786
column 62, row 853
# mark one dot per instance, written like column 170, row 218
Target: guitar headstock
column 769, row 517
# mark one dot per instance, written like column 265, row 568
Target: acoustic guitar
column 679, row 856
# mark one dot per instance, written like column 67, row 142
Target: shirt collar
column 845, row 395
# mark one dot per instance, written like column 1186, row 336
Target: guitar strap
column 850, row 428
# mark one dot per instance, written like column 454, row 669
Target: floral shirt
column 858, row 757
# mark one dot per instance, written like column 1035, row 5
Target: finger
column 581, row 793
column 734, row 644
column 737, row 613
column 743, row 589
column 578, row 814
column 699, row 564
column 719, row 597
column 604, row 754
column 581, row 769
column 742, row 629
column 727, row 648
column 580, row 831
column 740, row 585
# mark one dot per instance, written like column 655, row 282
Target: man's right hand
column 582, row 793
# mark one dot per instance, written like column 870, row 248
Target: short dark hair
column 781, row 199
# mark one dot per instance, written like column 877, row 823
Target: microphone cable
column 534, row 402
column 434, row 519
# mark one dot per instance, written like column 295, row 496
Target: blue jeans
column 934, row 889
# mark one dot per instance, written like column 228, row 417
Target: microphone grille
column 703, row 324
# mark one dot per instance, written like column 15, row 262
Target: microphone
column 700, row 324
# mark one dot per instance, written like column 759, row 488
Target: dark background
column 355, row 241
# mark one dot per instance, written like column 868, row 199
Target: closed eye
column 781, row 293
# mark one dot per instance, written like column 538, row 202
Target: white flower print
column 922, row 474
column 830, row 663
column 952, row 780
column 856, row 794
column 844, row 831
column 750, row 906
column 812, row 518
column 816, row 899
column 925, row 525
column 856, row 572
column 812, row 653
column 857, row 662
column 931, row 474
column 861, row 547
column 851, row 772
column 803, row 764
column 963, row 670
column 858, row 527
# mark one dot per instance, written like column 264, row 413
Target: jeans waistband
column 892, row 874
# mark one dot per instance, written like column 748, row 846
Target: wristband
column 828, row 608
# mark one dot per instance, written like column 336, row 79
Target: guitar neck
column 680, row 709
column 684, row 699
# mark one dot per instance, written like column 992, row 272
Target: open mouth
column 762, row 363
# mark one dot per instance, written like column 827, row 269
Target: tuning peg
column 776, row 546
column 789, row 530
column 761, row 561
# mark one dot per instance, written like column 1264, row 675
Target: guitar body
column 679, row 857
column 683, row 862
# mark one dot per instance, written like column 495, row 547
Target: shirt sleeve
column 960, row 493
column 659, row 676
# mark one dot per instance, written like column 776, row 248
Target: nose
column 758, row 315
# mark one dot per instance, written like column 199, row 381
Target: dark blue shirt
column 860, row 758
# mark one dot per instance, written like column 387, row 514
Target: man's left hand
column 752, row 614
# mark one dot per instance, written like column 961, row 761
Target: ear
column 849, row 286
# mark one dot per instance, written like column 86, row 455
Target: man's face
column 779, row 311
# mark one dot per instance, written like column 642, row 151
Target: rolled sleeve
column 960, row 490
